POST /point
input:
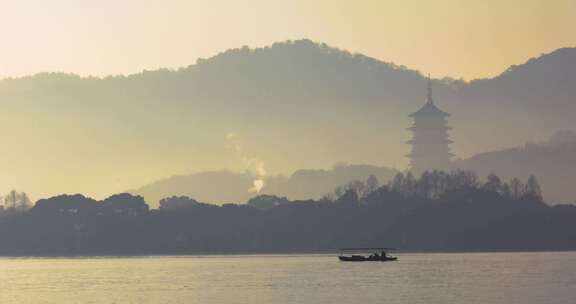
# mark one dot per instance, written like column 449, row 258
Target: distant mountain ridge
column 300, row 104
column 553, row 161
column 230, row 187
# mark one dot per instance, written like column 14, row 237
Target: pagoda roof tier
column 413, row 155
column 419, row 141
column 413, row 128
column 429, row 109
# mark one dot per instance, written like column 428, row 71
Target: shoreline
column 264, row 254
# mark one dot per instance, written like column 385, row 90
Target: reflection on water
column 417, row 278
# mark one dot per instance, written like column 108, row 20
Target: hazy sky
column 455, row 38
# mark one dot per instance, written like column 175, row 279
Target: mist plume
column 253, row 164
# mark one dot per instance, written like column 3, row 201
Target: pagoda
column 430, row 141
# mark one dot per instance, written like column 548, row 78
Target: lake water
column 417, row 278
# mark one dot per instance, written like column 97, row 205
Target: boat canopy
column 367, row 249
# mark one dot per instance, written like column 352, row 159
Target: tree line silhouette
column 435, row 211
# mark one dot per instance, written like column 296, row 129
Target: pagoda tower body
column 430, row 141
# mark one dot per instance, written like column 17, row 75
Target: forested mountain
column 297, row 104
column 437, row 211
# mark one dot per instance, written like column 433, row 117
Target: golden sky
column 456, row 38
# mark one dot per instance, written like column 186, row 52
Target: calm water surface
column 417, row 278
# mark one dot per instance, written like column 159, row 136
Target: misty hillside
column 537, row 97
column 296, row 104
column 552, row 161
column 550, row 75
column 229, row 187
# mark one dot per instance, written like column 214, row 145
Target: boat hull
column 360, row 258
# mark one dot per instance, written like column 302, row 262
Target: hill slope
column 552, row 161
column 227, row 187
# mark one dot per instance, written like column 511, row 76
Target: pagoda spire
column 429, row 93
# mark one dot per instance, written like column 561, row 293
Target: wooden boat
column 346, row 256
column 361, row 258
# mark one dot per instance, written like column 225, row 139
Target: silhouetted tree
column 506, row 191
column 532, row 189
column 357, row 186
column 339, row 191
column 464, row 180
column 265, row 202
column 177, row 202
column 66, row 205
column 409, row 186
column 397, row 183
column 125, row 204
column 17, row 201
column 423, row 185
column 493, row 183
column 516, row 189
column 372, row 185
column 350, row 197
